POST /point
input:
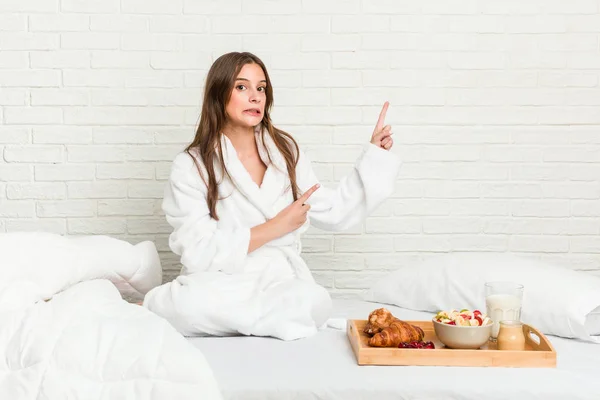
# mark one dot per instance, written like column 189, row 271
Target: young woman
column 239, row 198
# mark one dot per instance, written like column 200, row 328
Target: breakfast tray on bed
column 538, row 352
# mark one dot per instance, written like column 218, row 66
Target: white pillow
column 556, row 300
column 46, row 263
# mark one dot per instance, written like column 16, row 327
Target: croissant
column 378, row 320
column 397, row 332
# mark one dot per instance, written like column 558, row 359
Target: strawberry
column 478, row 318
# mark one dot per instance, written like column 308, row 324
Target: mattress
column 324, row 367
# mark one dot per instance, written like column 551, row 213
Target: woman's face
column 247, row 103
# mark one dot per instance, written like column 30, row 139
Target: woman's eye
column 262, row 89
column 241, row 87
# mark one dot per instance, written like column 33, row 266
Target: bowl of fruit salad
column 464, row 329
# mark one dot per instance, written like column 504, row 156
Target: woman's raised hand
column 382, row 135
column 294, row 216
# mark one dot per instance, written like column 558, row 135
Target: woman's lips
column 253, row 112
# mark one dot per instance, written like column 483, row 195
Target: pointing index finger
column 381, row 120
column 302, row 199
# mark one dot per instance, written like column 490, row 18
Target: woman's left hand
column 382, row 135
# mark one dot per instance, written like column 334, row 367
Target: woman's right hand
column 288, row 220
column 294, row 216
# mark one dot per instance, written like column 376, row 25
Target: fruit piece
column 463, row 318
column 417, row 345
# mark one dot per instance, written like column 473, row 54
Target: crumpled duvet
column 83, row 341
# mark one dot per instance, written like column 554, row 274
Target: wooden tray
column 535, row 355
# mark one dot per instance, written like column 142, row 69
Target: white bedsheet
column 324, row 367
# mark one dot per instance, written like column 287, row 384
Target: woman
column 239, row 198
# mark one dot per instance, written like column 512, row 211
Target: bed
column 324, row 367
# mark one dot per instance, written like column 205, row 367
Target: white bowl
column 462, row 337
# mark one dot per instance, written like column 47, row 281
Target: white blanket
column 65, row 332
column 222, row 289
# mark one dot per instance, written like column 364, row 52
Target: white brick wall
column 495, row 108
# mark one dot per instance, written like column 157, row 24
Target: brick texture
column 494, row 106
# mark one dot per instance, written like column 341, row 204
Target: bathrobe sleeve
column 358, row 194
column 196, row 236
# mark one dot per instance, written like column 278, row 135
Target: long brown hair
column 207, row 142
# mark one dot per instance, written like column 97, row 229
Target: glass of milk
column 503, row 302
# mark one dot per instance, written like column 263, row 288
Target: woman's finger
column 382, row 133
column 381, row 119
column 302, row 199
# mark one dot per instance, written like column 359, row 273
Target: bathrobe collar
column 274, row 182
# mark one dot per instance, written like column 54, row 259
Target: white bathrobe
column 224, row 290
